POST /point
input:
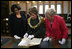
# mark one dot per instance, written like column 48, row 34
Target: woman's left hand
column 63, row 41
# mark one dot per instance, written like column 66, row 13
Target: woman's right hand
column 26, row 35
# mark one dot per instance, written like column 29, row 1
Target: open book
column 28, row 42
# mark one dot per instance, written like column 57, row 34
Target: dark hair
column 33, row 10
column 15, row 6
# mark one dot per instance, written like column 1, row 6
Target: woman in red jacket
column 55, row 27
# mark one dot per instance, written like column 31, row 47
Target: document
column 28, row 42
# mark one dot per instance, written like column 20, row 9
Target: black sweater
column 17, row 26
column 38, row 32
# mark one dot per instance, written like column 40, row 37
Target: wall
column 65, row 4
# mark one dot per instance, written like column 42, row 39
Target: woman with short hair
column 35, row 23
column 17, row 22
column 36, row 26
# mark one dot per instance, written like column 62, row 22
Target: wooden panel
column 56, row 6
column 68, row 6
column 49, row 4
column 37, row 5
column 62, row 7
column 31, row 4
column 26, row 7
column 43, row 7
column 10, row 3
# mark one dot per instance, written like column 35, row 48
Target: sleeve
column 43, row 29
column 10, row 23
column 25, row 24
column 63, row 28
column 28, row 27
column 47, row 33
column 24, row 21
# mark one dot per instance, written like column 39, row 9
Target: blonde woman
column 55, row 27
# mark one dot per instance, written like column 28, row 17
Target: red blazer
column 58, row 30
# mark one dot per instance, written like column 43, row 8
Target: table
column 13, row 43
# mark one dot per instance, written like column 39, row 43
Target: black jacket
column 38, row 32
column 17, row 26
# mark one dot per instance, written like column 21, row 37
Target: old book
column 27, row 42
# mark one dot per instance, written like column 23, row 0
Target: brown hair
column 33, row 10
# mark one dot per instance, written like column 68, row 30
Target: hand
column 17, row 37
column 31, row 36
column 26, row 35
column 46, row 39
column 63, row 41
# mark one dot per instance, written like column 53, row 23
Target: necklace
column 35, row 26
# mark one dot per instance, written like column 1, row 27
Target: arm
column 46, row 26
column 63, row 28
column 10, row 22
column 47, row 33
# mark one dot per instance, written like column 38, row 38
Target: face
column 49, row 17
column 33, row 16
column 16, row 10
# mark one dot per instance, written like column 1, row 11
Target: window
column 46, row 7
column 53, row 7
column 58, row 9
column 40, row 9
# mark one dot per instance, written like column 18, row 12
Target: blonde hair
column 50, row 11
